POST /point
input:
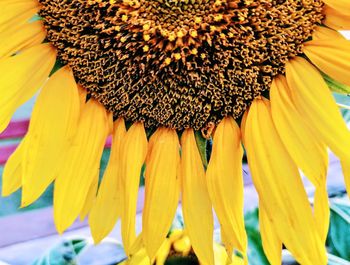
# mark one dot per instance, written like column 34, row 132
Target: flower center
column 178, row 63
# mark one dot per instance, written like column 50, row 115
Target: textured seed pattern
column 178, row 63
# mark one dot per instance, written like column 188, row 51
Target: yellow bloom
column 129, row 71
column 178, row 247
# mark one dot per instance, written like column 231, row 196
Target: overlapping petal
column 310, row 96
column 336, row 20
column 162, row 189
column 342, row 6
column 107, row 207
column 272, row 245
column 280, row 188
column 331, row 56
column 25, row 74
column 225, row 184
column 134, row 152
column 15, row 40
column 324, row 33
column 80, row 165
column 53, row 125
column 12, row 174
column 196, row 204
column 299, row 140
column 16, row 13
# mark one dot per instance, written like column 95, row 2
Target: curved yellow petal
column 221, row 257
column 90, row 197
column 52, row 127
column 314, row 101
column 106, row 209
column 134, row 152
column 80, row 164
column 272, row 245
column 25, row 74
column 299, row 140
column 280, row 188
column 163, row 252
column 196, row 204
column 321, row 209
column 162, row 189
column 225, row 183
column 16, row 40
column 295, row 133
column 139, row 258
column 331, row 56
column 82, row 95
column 335, row 19
column 324, row 33
column 12, row 174
column 342, row 6
column 15, row 13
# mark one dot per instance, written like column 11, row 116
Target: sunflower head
column 179, row 64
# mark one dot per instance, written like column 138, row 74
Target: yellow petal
column 82, row 95
column 322, row 33
column 314, row 101
column 221, row 257
column 299, row 140
column 106, row 208
column 335, row 19
column 16, row 12
column 342, row 6
column 280, row 188
column 25, row 74
column 51, row 130
column 272, row 245
column 140, row 258
column 134, row 152
column 12, row 174
column 331, row 56
column 295, row 134
column 196, row 204
column 163, row 252
column 162, row 189
column 225, row 184
column 80, row 164
column 321, row 209
column 90, row 197
column 27, row 35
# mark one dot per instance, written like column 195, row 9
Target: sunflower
column 156, row 76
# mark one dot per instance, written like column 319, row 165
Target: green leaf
column 202, row 147
column 58, row 65
column 343, row 102
column 256, row 255
column 63, row 254
column 109, row 251
column 36, row 17
column 335, row 85
column 339, row 233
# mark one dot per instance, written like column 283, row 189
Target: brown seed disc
column 178, row 63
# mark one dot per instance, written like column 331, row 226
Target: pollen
column 178, row 64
